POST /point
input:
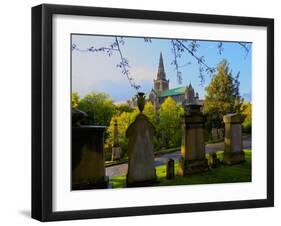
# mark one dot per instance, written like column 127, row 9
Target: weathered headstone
column 193, row 159
column 141, row 171
column 88, row 170
column 170, row 169
column 221, row 133
column 215, row 134
column 233, row 145
column 214, row 161
column 116, row 150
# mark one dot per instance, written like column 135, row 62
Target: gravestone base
column 188, row 167
column 231, row 158
column 146, row 183
column 214, row 161
column 116, row 153
column 92, row 184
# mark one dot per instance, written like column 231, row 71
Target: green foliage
column 99, row 107
column 124, row 119
column 123, row 108
column 107, row 153
column 102, row 111
column 74, row 100
column 247, row 113
column 123, row 122
column 150, row 112
column 222, row 96
column 170, row 122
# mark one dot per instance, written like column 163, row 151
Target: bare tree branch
column 220, row 47
column 200, row 60
column 178, row 48
column 124, row 65
column 245, row 47
column 114, row 47
column 175, row 62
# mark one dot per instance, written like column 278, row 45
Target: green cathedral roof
column 173, row 92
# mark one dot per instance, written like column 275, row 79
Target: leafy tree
column 170, row 122
column 124, row 119
column 123, row 108
column 123, row 122
column 150, row 111
column 222, row 96
column 74, row 100
column 99, row 107
column 247, row 113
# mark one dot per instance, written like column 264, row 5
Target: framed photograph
column 145, row 112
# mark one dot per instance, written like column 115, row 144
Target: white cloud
column 98, row 72
column 143, row 73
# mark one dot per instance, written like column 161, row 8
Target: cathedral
column 161, row 91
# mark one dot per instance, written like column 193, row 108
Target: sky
column 97, row 72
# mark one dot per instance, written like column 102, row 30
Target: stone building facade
column 161, row 91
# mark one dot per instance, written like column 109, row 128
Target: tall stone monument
column 193, row 159
column 233, row 145
column 88, row 170
column 116, row 150
column 141, row 171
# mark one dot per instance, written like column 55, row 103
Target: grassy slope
column 223, row 174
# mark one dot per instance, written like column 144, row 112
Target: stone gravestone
column 233, row 145
column 221, row 133
column 140, row 133
column 214, row 161
column 215, row 134
column 87, row 154
column 88, row 170
column 193, row 159
column 116, row 150
column 170, row 170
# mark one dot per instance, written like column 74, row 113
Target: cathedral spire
column 161, row 71
column 161, row 83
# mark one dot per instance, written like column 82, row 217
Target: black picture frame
column 42, row 111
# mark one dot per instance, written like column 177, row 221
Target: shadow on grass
column 224, row 174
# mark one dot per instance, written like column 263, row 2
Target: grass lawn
column 223, row 174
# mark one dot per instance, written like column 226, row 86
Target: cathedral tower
column 161, row 84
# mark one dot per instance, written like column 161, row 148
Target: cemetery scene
column 159, row 112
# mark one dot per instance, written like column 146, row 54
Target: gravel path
column 122, row 169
